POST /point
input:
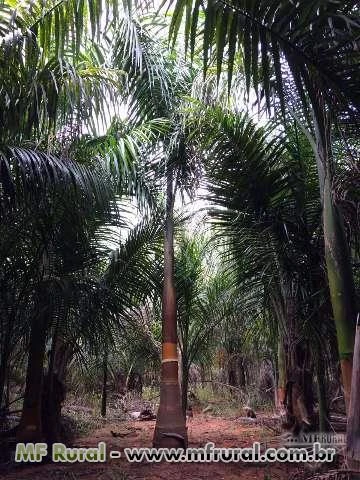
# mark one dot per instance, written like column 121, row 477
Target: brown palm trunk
column 30, row 428
column 281, row 378
column 4, row 374
column 54, row 389
column 170, row 429
column 185, row 388
column 104, row 389
column 353, row 425
column 321, row 390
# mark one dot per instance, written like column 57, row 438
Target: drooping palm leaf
column 40, row 94
column 316, row 41
column 27, row 176
column 62, row 24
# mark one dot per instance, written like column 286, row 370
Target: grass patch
column 228, row 402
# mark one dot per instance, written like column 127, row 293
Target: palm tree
column 311, row 49
column 158, row 82
column 73, row 72
column 53, row 85
column 207, row 302
column 353, row 419
column 266, row 207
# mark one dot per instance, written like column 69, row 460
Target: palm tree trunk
column 104, row 389
column 30, row 427
column 341, row 285
column 4, row 366
column 170, row 429
column 321, row 391
column 281, row 380
column 353, row 424
column 184, row 389
column 281, row 362
column 6, row 351
column 54, row 388
column 339, row 271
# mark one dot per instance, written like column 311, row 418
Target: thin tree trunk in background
column 337, row 257
column 4, row 363
column 3, row 375
column 184, row 388
column 8, row 393
column 282, row 361
column 281, row 377
column 202, row 374
column 242, row 375
column 48, row 407
column 231, row 373
column 353, row 425
column 321, row 393
column 181, row 357
column 275, row 382
column 104, row 389
column 170, row 429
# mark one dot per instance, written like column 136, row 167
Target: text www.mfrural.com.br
column 209, row 453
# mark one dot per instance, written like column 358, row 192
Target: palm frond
column 316, row 41
column 27, row 175
column 41, row 95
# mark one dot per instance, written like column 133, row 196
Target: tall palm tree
column 170, row 423
column 57, row 230
column 55, row 82
column 269, row 215
column 50, row 43
column 158, row 82
column 311, row 49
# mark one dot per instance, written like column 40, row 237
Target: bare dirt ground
column 201, row 429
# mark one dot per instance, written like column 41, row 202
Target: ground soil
column 234, row 432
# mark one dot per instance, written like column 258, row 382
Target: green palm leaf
column 316, row 41
column 27, row 175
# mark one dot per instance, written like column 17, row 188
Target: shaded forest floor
column 224, row 432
